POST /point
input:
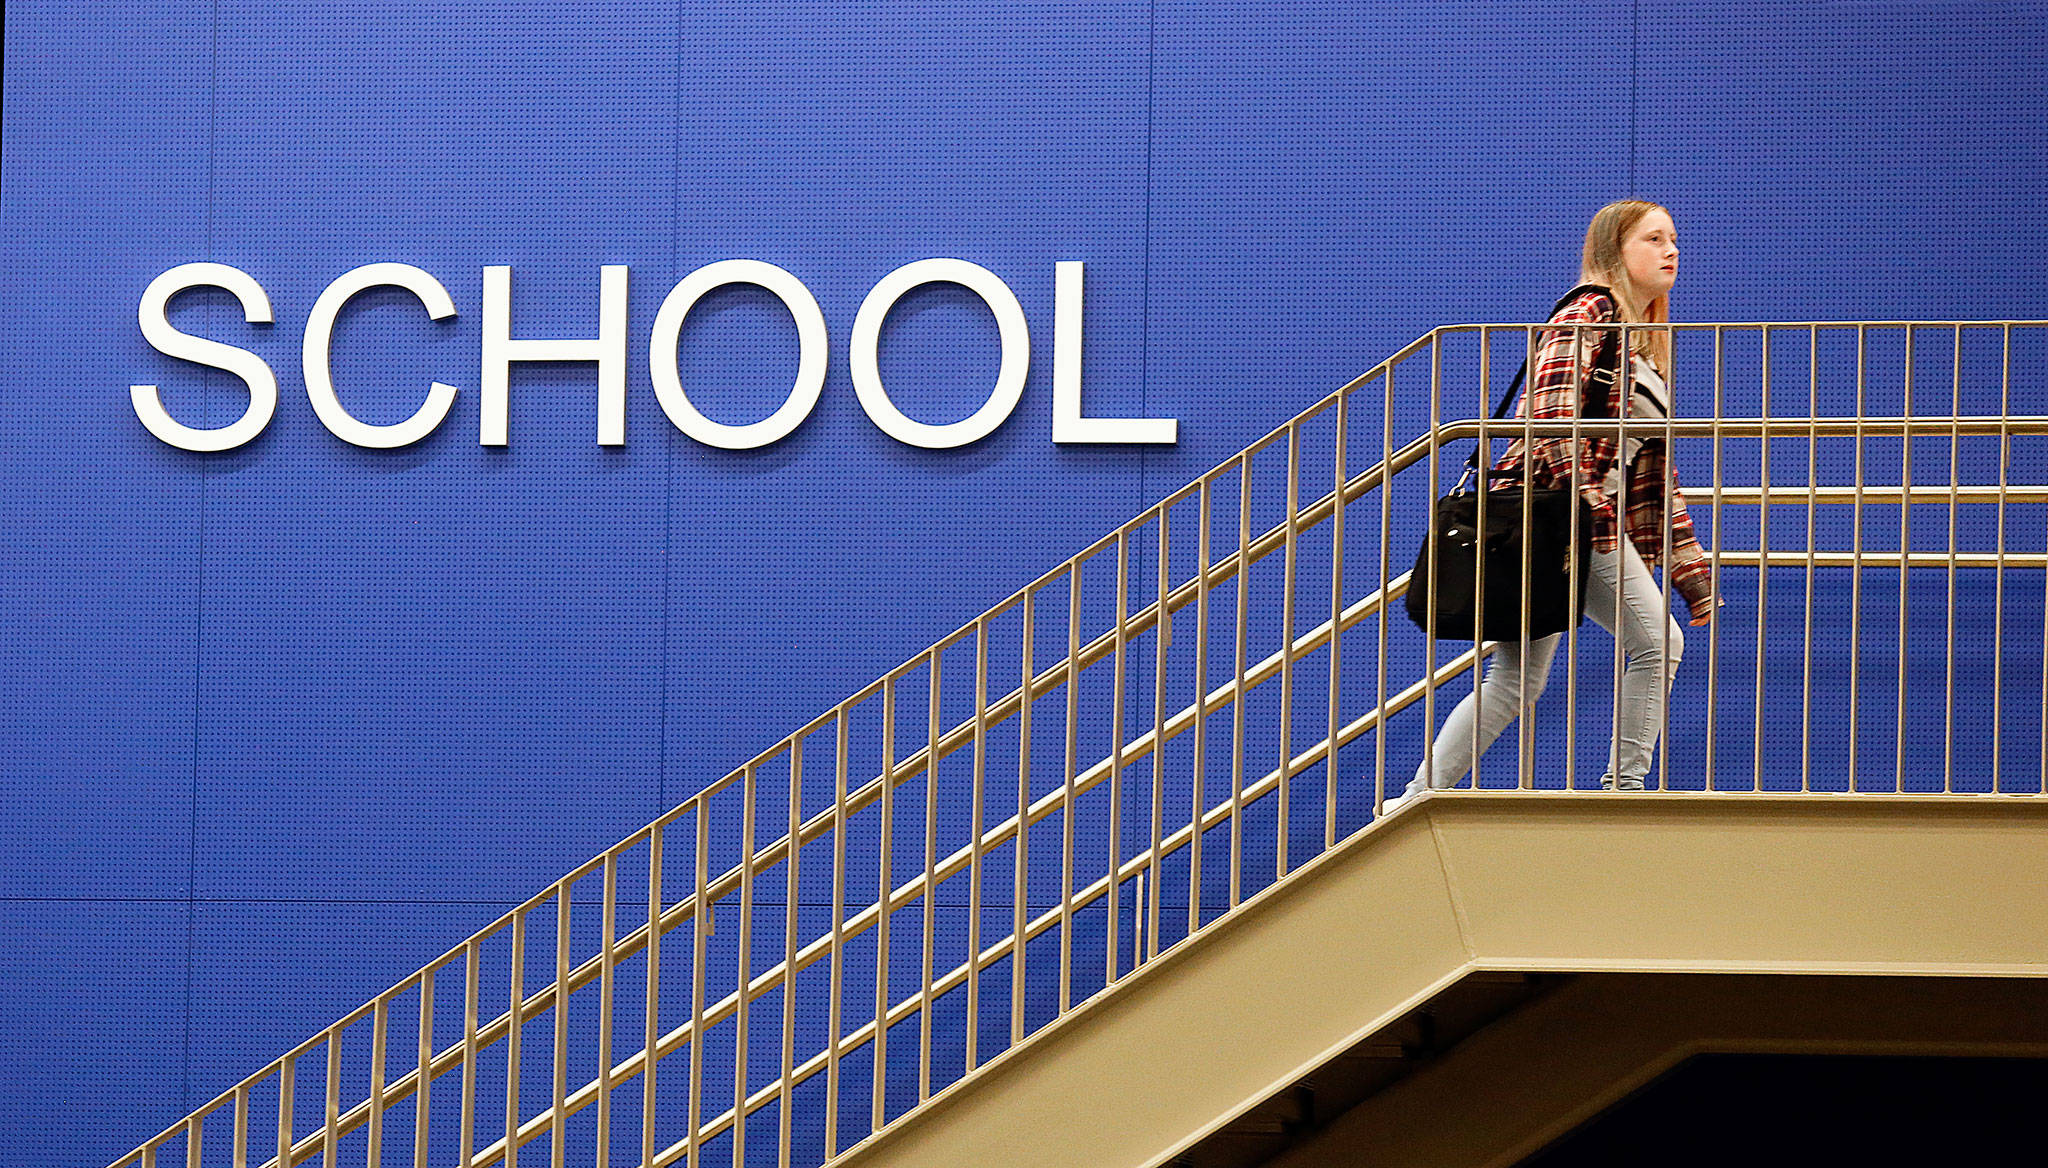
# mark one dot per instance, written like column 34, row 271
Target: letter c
column 319, row 337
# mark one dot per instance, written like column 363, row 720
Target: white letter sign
column 867, row 334
column 157, row 330
column 320, row 335
column 810, row 364
column 608, row 350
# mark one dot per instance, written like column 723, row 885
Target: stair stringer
column 1315, row 964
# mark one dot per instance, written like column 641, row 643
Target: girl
column 1626, row 271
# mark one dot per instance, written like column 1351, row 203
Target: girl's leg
column 1500, row 698
column 1624, row 598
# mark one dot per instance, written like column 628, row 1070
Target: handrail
column 1176, row 591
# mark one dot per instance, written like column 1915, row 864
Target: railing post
column 700, row 929
column 558, row 1071
column 886, row 879
column 1333, row 707
column 931, row 842
column 1243, row 578
column 836, row 975
column 1020, row 882
column 1282, row 841
column 792, row 894
column 1905, row 571
column 1162, row 632
column 1199, row 802
column 652, row 1009
column 517, row 997
column 740, row 1077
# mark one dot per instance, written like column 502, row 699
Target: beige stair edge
column 1465, row 881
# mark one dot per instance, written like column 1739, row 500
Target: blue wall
column 282, row 723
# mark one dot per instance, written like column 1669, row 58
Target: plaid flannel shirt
column 1556, row 391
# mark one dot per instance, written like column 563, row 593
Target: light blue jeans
column 1623, row 596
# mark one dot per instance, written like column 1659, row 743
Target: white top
column 1649, row 398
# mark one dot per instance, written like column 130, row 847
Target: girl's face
column 1651, row 255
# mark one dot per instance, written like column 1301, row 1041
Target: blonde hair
column 1601, row 263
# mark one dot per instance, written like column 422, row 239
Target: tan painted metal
column 891, row 910
column 1468, row 881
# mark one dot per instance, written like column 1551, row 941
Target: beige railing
column 1180, row 715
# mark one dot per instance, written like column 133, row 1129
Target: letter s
column 157, row 330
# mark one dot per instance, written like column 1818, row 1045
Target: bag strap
column 1514, row 387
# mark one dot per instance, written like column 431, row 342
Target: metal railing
column 1177, row 717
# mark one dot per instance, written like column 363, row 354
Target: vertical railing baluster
column 1812, row 516
column 514, row 1022
column 1138, row 920
column 241, row 1137
column 978, row 775
column 471, row 960
column 1714, row 573
column 1430, row 554
column 931, row 889
column 1020, row 880
column 743, row 992
column 287, row 1068
column 792, row 895
column 607, row 978
column 885, row 871
column 1763, row 573
column 1623, row 388
column 1162, row 632
column 1237, row 696
column 421, row 1096
column 651, row 1037
column 1856, row 564
column 1571, row 637
column 1525, row 723
column 558, row 1070
column 1483, row 469
column 1336, row 613
column 837, row 956
column 194, row 1144
column 1670, row 488
column 1121, row 638
column 1282, row 836
column 380, row 1030
column 1955, row 478
column 1198, row 801
column 1067, row 856
column 1905, row 570
column 1379, row 769
column 700, row 930
column 330, row 1117
column 1998, row 572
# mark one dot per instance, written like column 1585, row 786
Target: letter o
column 867, row 334
column 811, row 354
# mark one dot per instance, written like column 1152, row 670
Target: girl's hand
column 1706, row 617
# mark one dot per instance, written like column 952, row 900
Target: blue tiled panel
column 361, row 699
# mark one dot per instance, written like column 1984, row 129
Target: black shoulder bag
column 1447, row 593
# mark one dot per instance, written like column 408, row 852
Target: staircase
column 1105, row 876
